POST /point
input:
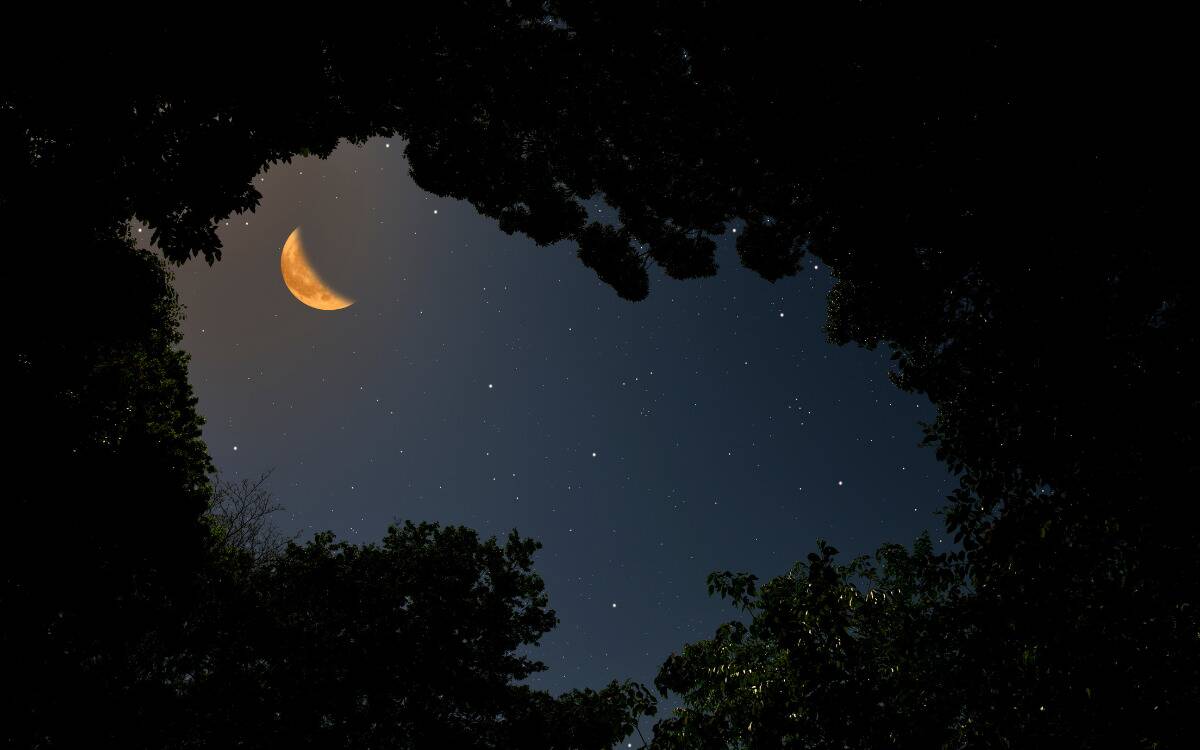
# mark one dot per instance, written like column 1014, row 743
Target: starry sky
column 485, row 381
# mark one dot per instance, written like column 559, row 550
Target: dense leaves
column 994, row 207
column 105, row 497
column 412, row 642
column 858, row 655
column 904, row 653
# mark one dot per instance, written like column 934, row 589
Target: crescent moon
column 303, row 281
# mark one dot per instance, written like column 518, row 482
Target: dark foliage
column 849, row 656
column 409, row 643
column 996, row 208
column 104, row 501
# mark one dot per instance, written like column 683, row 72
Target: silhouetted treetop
column 855, row 655
column 905, row 652
column 409, row 643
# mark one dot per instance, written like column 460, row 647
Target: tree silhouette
column 241, row 512
column 109, row 482
column 854, row 655
column 993, row 206
column 905, row 653
column 412, row 642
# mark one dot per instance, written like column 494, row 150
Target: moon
column 302, row 280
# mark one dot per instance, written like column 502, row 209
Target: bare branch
column 242, row 510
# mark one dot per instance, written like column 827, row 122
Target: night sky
column 482, row 380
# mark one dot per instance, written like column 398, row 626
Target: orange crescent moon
column 303, row 281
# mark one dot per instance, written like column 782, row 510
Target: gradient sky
column 482, row 380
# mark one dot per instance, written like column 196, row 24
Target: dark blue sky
column 484, row 381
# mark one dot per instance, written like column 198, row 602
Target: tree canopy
column 905, row 652
column 108, row 484
column 994, row 205
column 412, row 642
column 854, row 655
